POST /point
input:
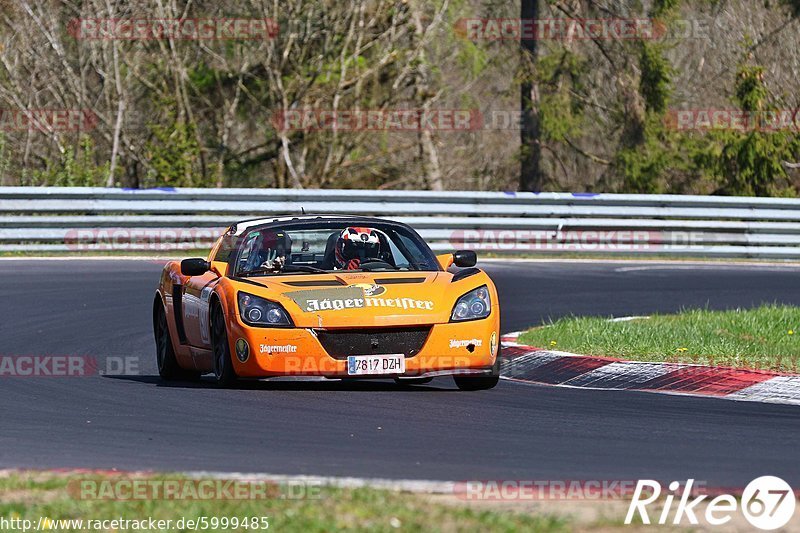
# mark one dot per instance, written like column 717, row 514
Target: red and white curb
column 534, row 365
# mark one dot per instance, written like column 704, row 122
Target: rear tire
column 224, row 374
column 168, row 367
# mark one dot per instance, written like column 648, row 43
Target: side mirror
column 465, row 258
column 445, row 260
column 220, row 268
column 194, row 267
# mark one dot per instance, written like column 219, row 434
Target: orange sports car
column 341, row 297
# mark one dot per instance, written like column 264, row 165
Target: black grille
column 399, row 281
column 340, row 344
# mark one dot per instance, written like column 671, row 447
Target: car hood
column 360, row 299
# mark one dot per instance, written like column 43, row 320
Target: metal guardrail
column 58, row 219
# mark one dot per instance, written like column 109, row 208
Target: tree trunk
column 530, row 178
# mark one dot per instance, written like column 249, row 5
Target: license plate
column 373, row 365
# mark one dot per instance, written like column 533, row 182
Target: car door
column 196, row 296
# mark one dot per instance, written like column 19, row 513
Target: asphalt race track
column 373, row 429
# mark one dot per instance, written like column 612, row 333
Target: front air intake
column 341, row 343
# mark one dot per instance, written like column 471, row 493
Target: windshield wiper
column 302, row 268
column 285, row 269
column 255, row 271
column 377, row 264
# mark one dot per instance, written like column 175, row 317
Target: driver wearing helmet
column 272, row 249
column 355, row 246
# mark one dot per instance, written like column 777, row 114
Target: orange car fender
column 225, row 295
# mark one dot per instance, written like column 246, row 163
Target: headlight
column 256, row 311
column 473, row 305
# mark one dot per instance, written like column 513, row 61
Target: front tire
column 473, row 383
column 224, row 374
column 168, row 367
column 414, row 381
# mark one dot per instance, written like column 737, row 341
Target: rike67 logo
column 767, row 503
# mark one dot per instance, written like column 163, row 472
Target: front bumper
column 452, row 348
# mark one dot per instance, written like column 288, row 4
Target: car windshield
column 324, row 246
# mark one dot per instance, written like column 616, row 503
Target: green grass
column 34, row 495
column 766, row 338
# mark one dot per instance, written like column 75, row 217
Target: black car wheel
column 224, row 374
column 412, row 381
column 471, row 383
column 168, row 367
